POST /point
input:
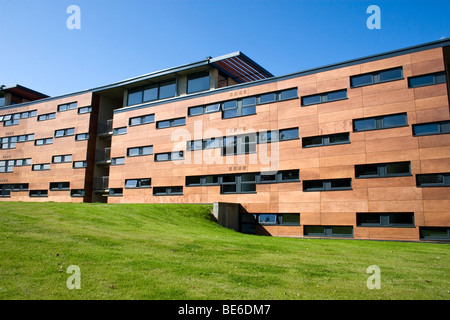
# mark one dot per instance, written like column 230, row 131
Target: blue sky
column 120, row 39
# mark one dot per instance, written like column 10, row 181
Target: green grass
column 147, row 251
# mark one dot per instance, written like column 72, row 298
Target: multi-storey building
column 357, row 149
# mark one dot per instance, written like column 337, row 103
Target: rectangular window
column 170, row 123
column 64, row 132
column 433, row 180
column 119, row 131
column 383, row 170
column 169, row 156
column 324, row 97
column 196, row 111
column 82, row 136
column 42, row 142
column 327, row 185
column 381, row 122
column 40, row 167
column 77, row 193
column 198, row 82
column 385, row 219
column 59, row 186
column 140, row 151
column 238, row 183
column 434, row 233
column 431, row 128
column 326, row 140
column 116, row 192
column 67, row 106
column 38, row 193
column 288, row 134
column 138, row 183
column 79, row 164
column 239, row 108
column 47, row 116
column 83, row 110
column 427, row 79
column 148, row 118
column 62, row 158
column 376, row 77
column 168, row 191
column 117, row 161
column 152, row 92
column 278, row 177
column 242, row 144
column 19, row 187
column 328, row 231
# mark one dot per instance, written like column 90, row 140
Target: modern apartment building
column 358, row 149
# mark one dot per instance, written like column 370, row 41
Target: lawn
column 148, row 251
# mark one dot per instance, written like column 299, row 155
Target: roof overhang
column 24, row 92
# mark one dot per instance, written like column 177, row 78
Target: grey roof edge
column 375, row 57
column 393, row 53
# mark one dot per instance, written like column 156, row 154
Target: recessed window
column 79, row 164
column 119, row 131
column 117, row 161
column 82, row 136
column 390, row 219
column 198, row 82
column 238, row 183
column 326, row 140
column 380, row 122
column 41, row 167
column 59, row 186
column 148, row 118
column 288, row 134
column 328, row 231
column 382, row 170
column 140, row 151
column 426, row 79
column 83, row 110
column 47, row 116
column 62, row 158
column 138, row 183
column 77, row 193
column 19, row 187
column 42, row 142
column 169, row 156
column 152, row 92
column 376, row 77
column 433, row 180
column 324, row 97
column 327, row 185
column 116, row 192
column 434, row 233
column 170, row 123
column 64, row 132
column 38, row 193
column 67, row 106
column 431, row 128
column 168, row 191
column 242, row 144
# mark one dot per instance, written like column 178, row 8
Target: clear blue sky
column 120, row 39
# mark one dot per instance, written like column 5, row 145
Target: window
column 47, row 116
column 82, row 136
column 6, row 166
column 117, row 161
column 239, row 108
column 119, row 131
column 19, row 187
column 67, row 106
column 59, row 186
column 286, row 219
column 327, row 185
column 288, row 134
column 79, row 164
column 326, row 140
column 149, row 118
column 168, row 191
column 170, row 123
column 140, row 151
column 288, row 94
column 64, row 132
column 242, row 144
column 198, row 82
column 381, row 122
column 2, row 100
column 77, row 193
column 169, row 156
column 42, row 142
column 324, row 97
column 40, row 167
column 138, row 183
column 196, row 111
column 433, row 180
column 38, row 193
column 278, row 177
column 194, row 181
column 382, row 170
column 152, row 92
column 62, row 159
column 21, row 162
column 426, row 79
column 83, row 110
column 116, row 192
column 328, row 231
column 376, row 77
column 238, row 183
column 391, row 219
column 425, row 129
column 434, row 233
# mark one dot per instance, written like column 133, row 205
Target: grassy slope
column 177, row 252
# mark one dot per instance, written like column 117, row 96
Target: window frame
column 376, row 77
column 384, row 220
column 379, row 122
column 435, row 75
column 382, row 170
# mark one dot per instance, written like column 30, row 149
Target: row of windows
column 13, row 119
column 6, row 189
column 157, row 191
